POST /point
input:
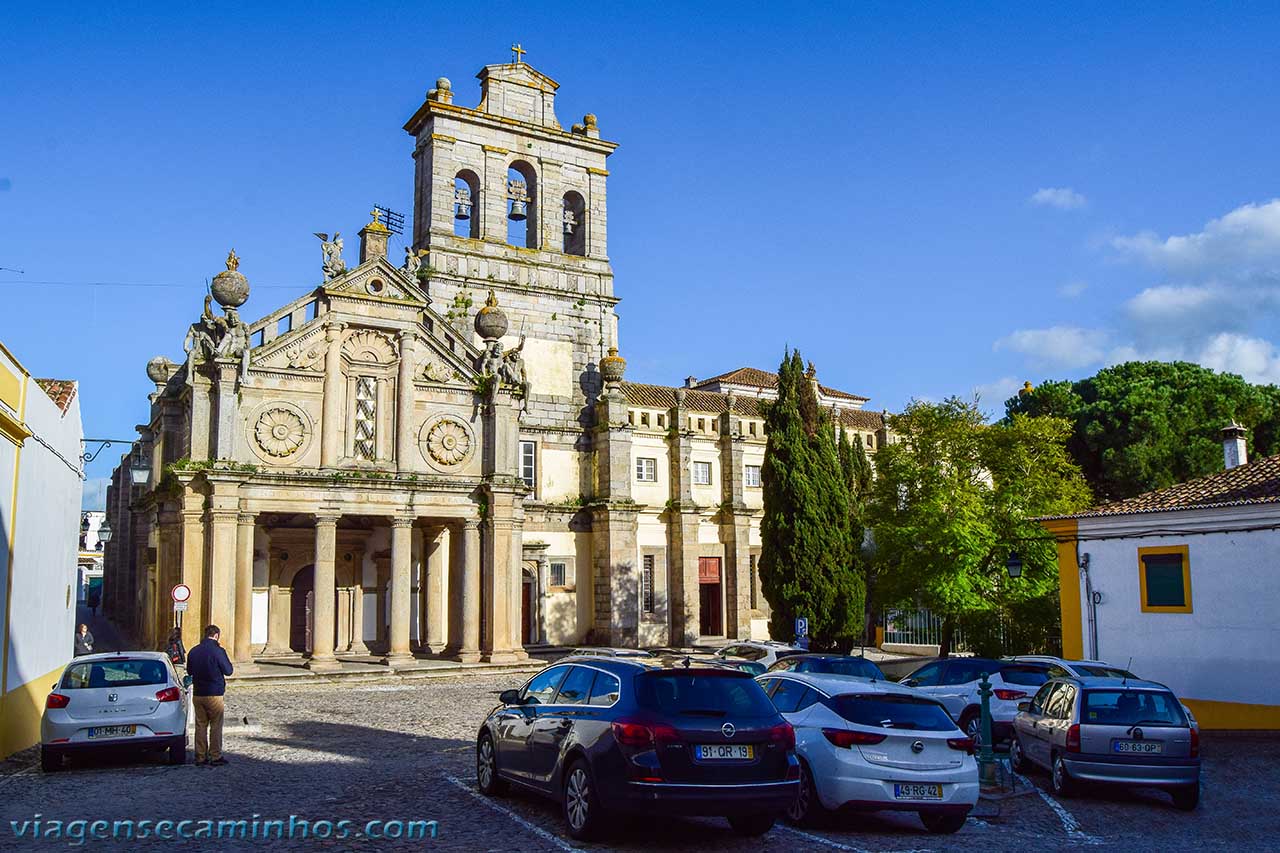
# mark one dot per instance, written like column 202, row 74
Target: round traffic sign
column 180, row 592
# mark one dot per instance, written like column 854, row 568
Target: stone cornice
column 432, row 109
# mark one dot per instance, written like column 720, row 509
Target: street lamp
column 104, row 532
column 140, row 471
column 1014, row 565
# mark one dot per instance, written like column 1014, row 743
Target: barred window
column 366, row 418
column 559, row 574
column 646, row 583
column 754, row 583
column 529, row 463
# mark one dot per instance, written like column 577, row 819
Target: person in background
column 209, row 666
column 174, row 649
column 84, row 640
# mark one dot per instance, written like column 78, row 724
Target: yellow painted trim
column 493, row 149
column 592, row 170
column 13, row 429
column 879, row 636
column 1180, row 550
column 20, row 712
column 1234, row 715
column 4, row 349
column 1065, row 531
column 5, row 632
column 10, row 388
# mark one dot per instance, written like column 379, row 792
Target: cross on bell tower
column 518, row 52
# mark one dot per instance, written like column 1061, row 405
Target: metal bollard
column 987, row 776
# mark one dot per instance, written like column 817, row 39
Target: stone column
column 193, row 551
column 433, row 583
column 224, row 515
column 242, row 655
column 404, row 402
column 453, row 611
column 322, row 656
column 169, row 563
column 500, row 640
column 615, row 577
column 735, row 530
column 682, row 531
column 469, row 652
column 334, row 396
column 227, row 372
column 398, row 652
column 358, row 645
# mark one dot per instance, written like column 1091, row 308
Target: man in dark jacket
column 208, row 666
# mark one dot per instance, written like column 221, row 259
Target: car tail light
column 1195, row 742
column 964, row 744
column 630, row 733
column 1010, row 695
column 847, row 739
column 57, row 700
column 1073, row 738
column 783, row 735
column 169, row 694
column 664, row 733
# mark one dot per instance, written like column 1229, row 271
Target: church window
column 751, row 427
column 662, row 420
column 646, row 583
column 561, row 576
column 647, row 470
column 573, row 216
column 644, row 419
column 752, row 476
column 631, row 418
column 529, row 463
column 522, row 205
column 466, row 199
column 366, row 418
column 702, row 473
column 702, row 424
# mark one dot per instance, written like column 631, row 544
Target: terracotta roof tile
column 663, row 397
column 1255, row 483
column 60, row 391
column 764, row 379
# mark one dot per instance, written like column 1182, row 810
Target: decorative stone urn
column 612, row 367
column 229, row 287
column 491, row 323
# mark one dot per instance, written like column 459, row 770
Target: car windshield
column 702, row 694
column 1131, row 708
column 113, row 673
column 891, row 711
column 860, row 667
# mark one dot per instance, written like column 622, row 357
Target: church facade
column 439, row 454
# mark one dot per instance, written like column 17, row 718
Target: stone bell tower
column 506, row 199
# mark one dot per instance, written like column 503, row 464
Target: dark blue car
column 609, row 735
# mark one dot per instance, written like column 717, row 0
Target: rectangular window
column 559, row 574
column 752, row 476
column 647, row 470
column 662, row 420
column 284, row 325
column 309, row 311
column 702, row 473
column 646, row 583
column 644, row 419
column 366, row 418
column 256, row 339
column 1164, row 579
column 754, row 583
column 529, row 463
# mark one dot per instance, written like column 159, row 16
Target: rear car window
column 114, row 673
column 1131, row 707
column 1105, row 671
column 1030, row 676
column 715, row 694
column 605, row 689
column 860, row 667
column 576, row 686
column 892, row 712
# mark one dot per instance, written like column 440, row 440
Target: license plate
column 112, row 731
column 1142, row 747
column 726, row 752
column 916, row 791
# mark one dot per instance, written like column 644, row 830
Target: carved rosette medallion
column 281, row 432
column 446, row 442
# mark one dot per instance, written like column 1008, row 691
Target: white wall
column 1228, row 648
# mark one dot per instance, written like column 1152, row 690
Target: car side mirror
column 910, row 682
column 186, row 681
column 509, row 697
column 1024, row 706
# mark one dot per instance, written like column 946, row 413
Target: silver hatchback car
column 1121, row 731
column 131, row 700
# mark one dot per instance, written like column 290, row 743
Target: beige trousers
column 209, row 711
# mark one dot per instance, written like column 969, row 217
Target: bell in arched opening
column 462, row 203
column 518, row 211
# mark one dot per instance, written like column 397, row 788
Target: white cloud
column 94, row 494
column 1255, row 359
column 1073, row 289
column 1058, row 346
column 997, row 391
column 1062, row 198
column 1240, row 244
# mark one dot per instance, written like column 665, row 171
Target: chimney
column 690, row 381
column 1233, row 446
column 373, row 238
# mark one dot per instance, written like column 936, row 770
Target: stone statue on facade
column 334, row 265
column 203, row 335
column 235, row 343
column 513, row 372
column 212, row 337
column 491, row 360
column 412, row 261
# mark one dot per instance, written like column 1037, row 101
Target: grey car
column 1120, row 731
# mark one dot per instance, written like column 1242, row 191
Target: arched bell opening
column 574, row 223
column 522, row 205
column 466, row 197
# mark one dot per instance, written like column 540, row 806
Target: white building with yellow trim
column 40, row 485
column 1181, row 585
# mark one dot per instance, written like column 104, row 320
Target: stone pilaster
column 433, row 583
column 682, row 530
column 615, row 576
column 405, row 443
column 322, row 633
column 223, row 517
column 735, row 528
column 502, row 532
column 334, row 396
column 201, row 415
column 398, row 652
column 226, row 371
column 242, row 653
column 193, row 561
column 168, row 563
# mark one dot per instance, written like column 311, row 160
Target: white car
column 955, row 681
column 875, row 745
column 765, row 652
column 117, row 700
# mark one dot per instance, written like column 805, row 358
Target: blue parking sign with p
column 802, row 626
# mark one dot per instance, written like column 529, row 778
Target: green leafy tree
column 953, row 498
column 856, row 471
column 807, row 547
column 1145, row 425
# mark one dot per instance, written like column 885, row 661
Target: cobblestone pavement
column 404, row 752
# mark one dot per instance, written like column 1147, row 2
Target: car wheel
column 1017, row 761
column 942, row 824
column 1187, row 797
column 50, row 760
column 806, row 808
column 178, row 751
column 751, row 825
column 487, row 779
column 582, row 809
column 971, row 725
column 1061, row 779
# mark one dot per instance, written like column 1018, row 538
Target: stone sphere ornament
column 612, row 367
column 159, row 369
column 491, row 323
column 229, row 287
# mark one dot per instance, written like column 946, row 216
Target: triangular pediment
column 519, row 74
column 377, row 279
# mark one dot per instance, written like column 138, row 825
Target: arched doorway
column 301, row 607
column 528, row 604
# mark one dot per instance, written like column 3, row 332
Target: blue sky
column 926, row 199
